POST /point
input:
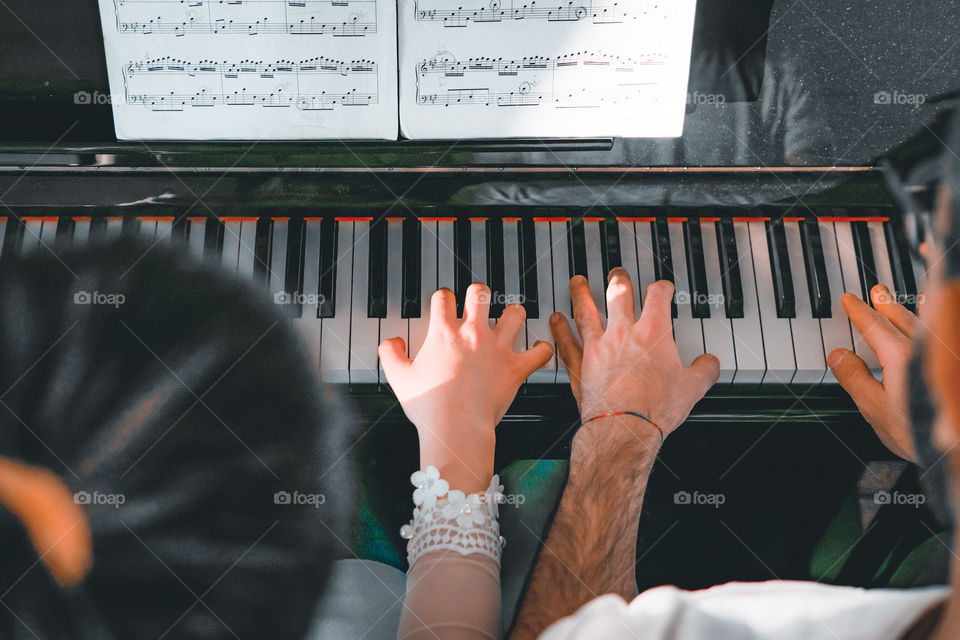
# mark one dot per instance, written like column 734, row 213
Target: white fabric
column 450, row 520
column 775, row 610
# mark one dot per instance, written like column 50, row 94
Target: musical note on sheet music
column 572, row 81
column 491, row 11
column 319, row 84
column 337, row 18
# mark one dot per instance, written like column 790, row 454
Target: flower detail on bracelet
column 429, row 487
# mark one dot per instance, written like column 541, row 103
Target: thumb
column 393, row 358
column 535, row 357
column 702, row 374
column 853, row 374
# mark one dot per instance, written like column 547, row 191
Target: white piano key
column 3, row 231
column 748, row 335
column 645, row 258
column 881, row 257
column 478, row 250
column 114, row 226
column 31, row 234
column 48, row 235
column 561, row 282
column 148, row 229
column 164, row 230
column 335, row 331
column 196, row 233
column 777, row 335
column 364, row 330
column 511, row 273
column 446, row 259
column 807, row 338
column 231, row 245
column 595, row 276
column 248, row 240
column 836, row 329
column 394, row 325
column 851, row 283
column 687, row 330
column 428, row 284
column 308, row 325
column 278, row 256
column 717, row 329
column 81, row 231
column 628, row 259
column 539, row 328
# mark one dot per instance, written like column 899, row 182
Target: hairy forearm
column 591, row 548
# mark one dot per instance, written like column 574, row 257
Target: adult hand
column 462, row 381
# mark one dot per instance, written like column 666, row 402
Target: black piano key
column 293, row 279
column 329, row 231
column 904, row 280
column 212, row 239
column 410, row 306
column 65, row 227
column 578, row 247
column 865, row 264
column 131, row 227
column 662, row 258
column 785, row 301
column 377, row 270
column 12, row 239
column 528, row 267
column 730, row 269
column 816, row 269
column 178, row 233
column 263, row 240
column 610, row 233
column 495, row 267
column 696, row 270
column 462, row 254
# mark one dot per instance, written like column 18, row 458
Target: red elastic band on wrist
column 626, row 413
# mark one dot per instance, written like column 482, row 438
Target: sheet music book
column 328, row 69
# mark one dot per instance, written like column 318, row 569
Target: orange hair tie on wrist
column 636, row 414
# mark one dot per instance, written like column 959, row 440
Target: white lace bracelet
column 452, row 520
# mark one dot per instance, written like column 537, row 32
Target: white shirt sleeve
column 775, row 610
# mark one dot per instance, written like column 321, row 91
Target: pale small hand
column 633, row 365
column 889, row 331
column 461, row 383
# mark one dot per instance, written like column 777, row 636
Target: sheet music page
column 252, row 69
column 544, row 68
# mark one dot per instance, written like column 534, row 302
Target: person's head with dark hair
column 169, row 464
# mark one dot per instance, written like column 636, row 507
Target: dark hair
column 950, row 178
column 142, row 378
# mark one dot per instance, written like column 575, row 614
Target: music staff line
column 581, row 80
column 494, row 11
column 338, row 18
column 320, row 84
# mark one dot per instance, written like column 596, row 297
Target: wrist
column 464, row 459
column 612, row 448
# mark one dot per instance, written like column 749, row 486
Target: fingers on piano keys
column 759, row 290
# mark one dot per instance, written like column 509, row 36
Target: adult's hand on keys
column 632, row 365
column 460, row 384
column 889, row 331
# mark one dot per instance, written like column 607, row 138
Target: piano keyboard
column 761, row 293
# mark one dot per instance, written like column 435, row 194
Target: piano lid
column 773, row 83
